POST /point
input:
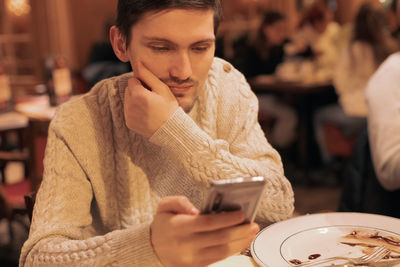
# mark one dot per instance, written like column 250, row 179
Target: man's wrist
column 180, row 134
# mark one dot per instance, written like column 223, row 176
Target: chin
column 185, row 104
column 186, row 108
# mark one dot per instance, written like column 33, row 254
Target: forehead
column 175, row 25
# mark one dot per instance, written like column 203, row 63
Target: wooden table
column 307, row 96
column 272, row 84
column 36, row 107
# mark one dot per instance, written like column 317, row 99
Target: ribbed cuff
column 180, row 134
column 132, row 247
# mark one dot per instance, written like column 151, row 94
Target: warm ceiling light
column 18, row 7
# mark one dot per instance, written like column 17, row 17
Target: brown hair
column 260, row 42
column 370, row 26
column 315, row 13
column 130, row 12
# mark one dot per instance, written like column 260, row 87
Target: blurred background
column 291, row 51
column 31, row 31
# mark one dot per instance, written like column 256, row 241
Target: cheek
column 202, row 65
column 156, row 64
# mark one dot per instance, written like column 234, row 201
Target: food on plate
column 371, row 239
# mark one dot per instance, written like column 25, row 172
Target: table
column 235, row 261
column 308, row 96
column 272, row 84
column 36, row 107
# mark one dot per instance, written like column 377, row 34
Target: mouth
column 180, row 90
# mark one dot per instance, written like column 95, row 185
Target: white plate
column 300, row 237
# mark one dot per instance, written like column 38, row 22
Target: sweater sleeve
column 62, row 231
column 246, row 154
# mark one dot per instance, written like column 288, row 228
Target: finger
column 226, row 235
column 211, row 222
column 134, row 85
column 177, row 205
column 145, row 75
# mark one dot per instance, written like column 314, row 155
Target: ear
column 118, row 43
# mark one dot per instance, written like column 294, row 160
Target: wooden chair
column 38, row 131
column 12, row 204
column 12, row 124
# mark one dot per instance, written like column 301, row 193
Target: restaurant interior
column 52, row 51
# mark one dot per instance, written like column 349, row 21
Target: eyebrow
column 157, row 39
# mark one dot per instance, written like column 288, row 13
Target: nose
column 181, row 66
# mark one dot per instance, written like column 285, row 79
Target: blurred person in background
column 372, row 176
column 261, row 56
column 368, row 47
column 383, row 100
column 128, row 164
column 317, row 39
column 372, row 182
column 103, row 63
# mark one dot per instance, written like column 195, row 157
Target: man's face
column 177, row 46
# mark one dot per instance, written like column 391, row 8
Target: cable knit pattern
column 102, row 182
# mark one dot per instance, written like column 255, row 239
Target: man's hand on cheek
column 145, row 111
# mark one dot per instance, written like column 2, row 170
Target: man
column 127, row 165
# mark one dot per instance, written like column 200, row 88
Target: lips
column 181, row 89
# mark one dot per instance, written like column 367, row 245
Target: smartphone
column 235, row 194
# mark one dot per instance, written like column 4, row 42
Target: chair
column 361, row 190
column 337, row 144
column 12, row 206
column 13, row 127
column 266, row 121
column 12, row 124
column 37, row 131
column 19, row 198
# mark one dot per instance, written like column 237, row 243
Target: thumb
column 177, row 205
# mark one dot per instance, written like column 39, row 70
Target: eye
column 201, row 48
column 159, row 48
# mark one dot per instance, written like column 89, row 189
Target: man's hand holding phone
column 183, row 237
column 147, row 110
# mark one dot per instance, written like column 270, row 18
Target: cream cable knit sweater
column 102, row 182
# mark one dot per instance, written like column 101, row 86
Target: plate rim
column 333, row 226
column 259, row 261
